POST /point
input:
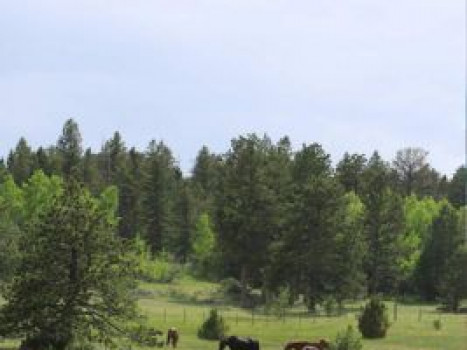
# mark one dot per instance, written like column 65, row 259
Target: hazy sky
column 353, row 75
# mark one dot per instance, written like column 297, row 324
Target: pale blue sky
column 353, row 75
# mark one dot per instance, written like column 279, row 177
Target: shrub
column 231, row 287
column 347, row 340
column 373, row 322
column 437, row 324
column 214, row 328
column 330, row 306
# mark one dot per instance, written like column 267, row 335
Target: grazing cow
column 172, row 337
column 307, row 345
column 236, row 343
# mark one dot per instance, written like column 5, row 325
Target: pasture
column 186, row 303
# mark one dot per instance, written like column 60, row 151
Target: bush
column 231, row 287
column 347, row 340
column 437, row 324
column 214, row 328
column 330, row 306
column 373, row 322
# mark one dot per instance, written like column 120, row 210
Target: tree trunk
column 244, row 282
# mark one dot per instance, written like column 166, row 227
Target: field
column 185, row 303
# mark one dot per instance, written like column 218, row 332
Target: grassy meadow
column 186, row 303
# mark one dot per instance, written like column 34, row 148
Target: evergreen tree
column 457, row 188
column 349, row 172
column 157, row 200
column 69, row 147
column 245, row 210
column 73, row 258
column 21, row 161
column 445, row 237
column 453, row 286
column 90, row 172
column 384, row 227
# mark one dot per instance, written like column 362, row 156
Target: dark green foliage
column 384, row 225
column 453, row 284
column 457, row 188
column 280, row 219
column 159, row 180
column 247, row 209
column 69, row 148
column 410, row 164
column 349, row 172
column 81, row 269
column 214, row 328
column 20, row 162
column 445, row 237
column 347, row 340
column 374, row 321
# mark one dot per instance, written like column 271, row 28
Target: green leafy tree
column 350, row 246
column 203, row 243
column 444, row 239
column 75, row 279
column 418, row 217
column 409, row 163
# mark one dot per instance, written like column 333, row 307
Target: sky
column 352, row 75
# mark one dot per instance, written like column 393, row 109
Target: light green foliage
column 347, row 340
column 351, row 247
column 11, row 201
column 72, row 256
column 203, row 239
column 418, row 216
column 39, row 192
column 153, row 269
column 444, row 239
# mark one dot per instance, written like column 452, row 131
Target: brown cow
column 307, row 345
column 172, row 337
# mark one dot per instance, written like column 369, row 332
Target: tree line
column 271, row 217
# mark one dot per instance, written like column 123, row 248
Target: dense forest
column 272, row 218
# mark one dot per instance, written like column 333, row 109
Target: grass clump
column 347, row 340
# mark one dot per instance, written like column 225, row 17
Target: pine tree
column 445, row 238
column 21, row 161
column 349, row 172
column 73, row 258
column 69, row 147
column 384, row 227
column 157, row 196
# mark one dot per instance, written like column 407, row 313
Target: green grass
column 186, row 303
